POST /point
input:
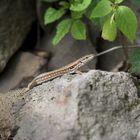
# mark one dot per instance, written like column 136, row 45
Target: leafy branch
column 114, row 17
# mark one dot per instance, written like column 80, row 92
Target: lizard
column 70, row 68
column 16, row 98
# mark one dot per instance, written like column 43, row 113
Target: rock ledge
column 91, row 106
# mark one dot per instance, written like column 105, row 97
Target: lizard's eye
column 86, row 57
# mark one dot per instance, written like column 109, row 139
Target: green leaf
column 126, row 22
column 90, row 8
column 77, row 15
column 102, row 8
column 78, row 30
column 62, row 29
column 52, row 15
column 75, row 6
column 109, row 31
column 134, row 60
column 64, row 4
column 118, row 1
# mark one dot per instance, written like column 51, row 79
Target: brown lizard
column 70, row 68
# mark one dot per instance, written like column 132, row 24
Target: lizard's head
column 80, row 62
column 85, row 59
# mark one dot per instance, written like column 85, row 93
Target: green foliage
column 78, row 30
column 126, row 22
column 109, row 31
column 78, row 6
column 134, row 60
column 62, row 29
column 118, row 1
column 52, row 15
column 77, row 15
column 112, row 16
column 102, row 9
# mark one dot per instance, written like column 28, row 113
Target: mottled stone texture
column 16, row 18
column 96, row 105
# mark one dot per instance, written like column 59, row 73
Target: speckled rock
column 96, row 105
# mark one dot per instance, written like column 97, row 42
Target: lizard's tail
column 23, row 91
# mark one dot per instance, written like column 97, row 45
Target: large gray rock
column 16, row 18
column 93, row 106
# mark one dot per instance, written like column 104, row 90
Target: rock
column 22, row 66
column 9, row 111
column 16, row 18
column 68, row 50
column 96, row 105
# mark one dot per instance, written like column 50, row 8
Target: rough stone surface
column 16, row 17
column 68, row 50
column 21, row 67
column 93, row 106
